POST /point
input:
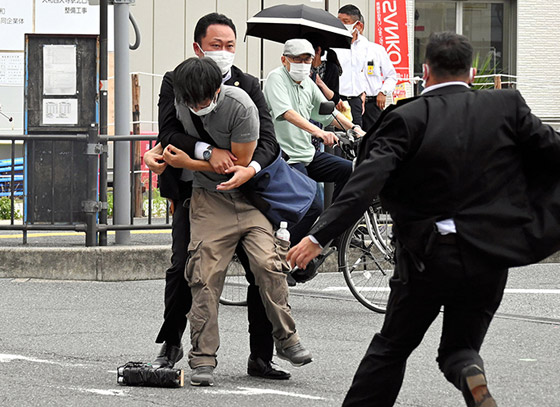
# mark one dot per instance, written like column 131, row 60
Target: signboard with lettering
column 16, row 19
column 391, row 32
column 66, row 17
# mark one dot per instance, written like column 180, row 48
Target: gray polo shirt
column 235, row 119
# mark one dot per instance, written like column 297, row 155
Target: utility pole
column 121, row 175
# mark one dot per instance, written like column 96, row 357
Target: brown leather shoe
column 475, row 387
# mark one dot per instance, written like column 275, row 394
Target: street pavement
column 61, row 343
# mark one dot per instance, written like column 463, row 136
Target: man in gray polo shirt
column 221, row 217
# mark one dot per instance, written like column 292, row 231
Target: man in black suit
column 215, row 37
column 471, row 179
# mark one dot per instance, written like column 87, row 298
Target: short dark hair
column 196, row 80
column 449, row 54
column 352, row 11
column 208, row 20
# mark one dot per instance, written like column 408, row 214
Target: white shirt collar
column 441, row 85
column 227, row 76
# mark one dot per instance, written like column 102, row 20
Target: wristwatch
column 206, row 154
column 385, row 92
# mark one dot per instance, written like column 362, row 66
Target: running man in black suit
column 471, row 179
column 215, row 37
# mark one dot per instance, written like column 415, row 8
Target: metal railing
column 95, row 207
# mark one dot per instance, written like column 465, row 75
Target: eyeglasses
column 299, row 60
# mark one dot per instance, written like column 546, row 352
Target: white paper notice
column 60, row 111
column 11, row 68
column 59, row 70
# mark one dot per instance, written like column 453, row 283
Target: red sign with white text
column 391, row 32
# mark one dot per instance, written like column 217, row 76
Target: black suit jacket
column 171, row 131
column 478, row 157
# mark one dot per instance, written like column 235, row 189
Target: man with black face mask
column 214, row 37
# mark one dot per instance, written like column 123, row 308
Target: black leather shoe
column 168, row 356
column 267, row 370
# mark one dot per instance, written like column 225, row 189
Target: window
column 487, row 24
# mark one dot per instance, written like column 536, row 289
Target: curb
column 119, row 263
column 115, row 263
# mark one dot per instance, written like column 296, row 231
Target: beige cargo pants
column 218, row 222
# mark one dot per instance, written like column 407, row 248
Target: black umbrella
column 282, row 23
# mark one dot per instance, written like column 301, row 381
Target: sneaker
column 168, row 356
column 475, row 387
column 296, row 354
column 267, row 370
column 203, row 376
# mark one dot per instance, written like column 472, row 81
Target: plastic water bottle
column 283, row 233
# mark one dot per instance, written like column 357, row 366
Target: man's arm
column 177, row 158
column 152, row 159
column 297, row 120
column 171, row 130
column 389, row 75
column 243, row 152
column 387, row 149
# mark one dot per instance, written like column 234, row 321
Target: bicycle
column 365, row 255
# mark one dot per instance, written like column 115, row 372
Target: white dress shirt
column 353, row 62
column 380, row 73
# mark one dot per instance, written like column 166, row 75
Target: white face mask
column 204, row 111
column 350, row 27
column 224, row 59
column 298, row 72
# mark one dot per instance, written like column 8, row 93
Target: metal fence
column 13, row 184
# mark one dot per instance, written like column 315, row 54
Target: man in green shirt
column 293, row 98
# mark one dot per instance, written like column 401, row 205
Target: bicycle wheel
column 235, row 285
column 366, row 258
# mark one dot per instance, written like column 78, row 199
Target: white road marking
column 250, row 391
column 531, row 291
column 4, row 358
column 507, row 290
column 110, row 392
column 361, row 289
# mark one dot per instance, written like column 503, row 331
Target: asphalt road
column 61, row 342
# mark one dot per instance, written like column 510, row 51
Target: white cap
column 283, row 224
column 298, row 46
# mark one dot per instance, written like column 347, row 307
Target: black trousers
column 325, row 167
column 178, row 298
column 355, row 103
column 469, row 303
column 371, row 113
